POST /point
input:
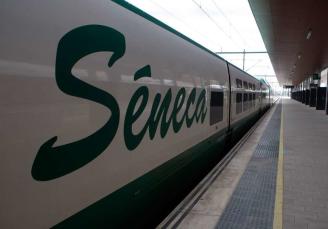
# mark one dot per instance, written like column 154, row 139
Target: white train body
column 77, row 128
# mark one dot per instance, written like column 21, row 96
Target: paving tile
column 318, row 224
column 289, row 218
column 289, row 225
column 200, row 221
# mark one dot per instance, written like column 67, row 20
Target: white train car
column 266, row 92
column 245, row 101
column 108, row 116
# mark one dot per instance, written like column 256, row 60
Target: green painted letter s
column 53, row 162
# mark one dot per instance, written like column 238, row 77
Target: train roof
column 150, row 18
column 265, row 82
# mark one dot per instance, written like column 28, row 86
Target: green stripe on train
column 147, row 200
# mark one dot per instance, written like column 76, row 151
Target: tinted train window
column 239, row 83
column 245, row 102
column 251, row 98
column 250, row 86
column 239, row 103
column 216, row 107
column 245, row 85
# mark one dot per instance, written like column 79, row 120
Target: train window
column 239, row 103
column 250, row 98
column 245, row 85
column 253, row 99
column 239, row 83
column 216, row 107
column 245, row 102
column 250, row 86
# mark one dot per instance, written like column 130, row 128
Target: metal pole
column 244, row 60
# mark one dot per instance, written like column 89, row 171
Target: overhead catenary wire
column 183, row 22
column 257, row 62
column 214, row 22
column 228, row 20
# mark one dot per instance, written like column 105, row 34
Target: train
column 109, row 116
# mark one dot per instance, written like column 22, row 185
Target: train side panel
column 265, row 96
column 245, row 104
column 99, row 107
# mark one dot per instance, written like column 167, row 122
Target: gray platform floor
column 305, row 193
column 252, row 203
column 305, row 176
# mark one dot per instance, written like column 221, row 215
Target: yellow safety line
column 277, row 220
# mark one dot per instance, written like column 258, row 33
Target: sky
column 220, row 26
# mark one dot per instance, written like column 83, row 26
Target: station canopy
column 295, row 34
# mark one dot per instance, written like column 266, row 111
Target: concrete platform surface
column 305, row 193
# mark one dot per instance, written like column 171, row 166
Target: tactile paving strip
column 252, row 204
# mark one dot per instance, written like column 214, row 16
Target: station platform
column 275, row 177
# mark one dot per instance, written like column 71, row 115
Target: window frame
column 239, row 83
column 216, row 118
